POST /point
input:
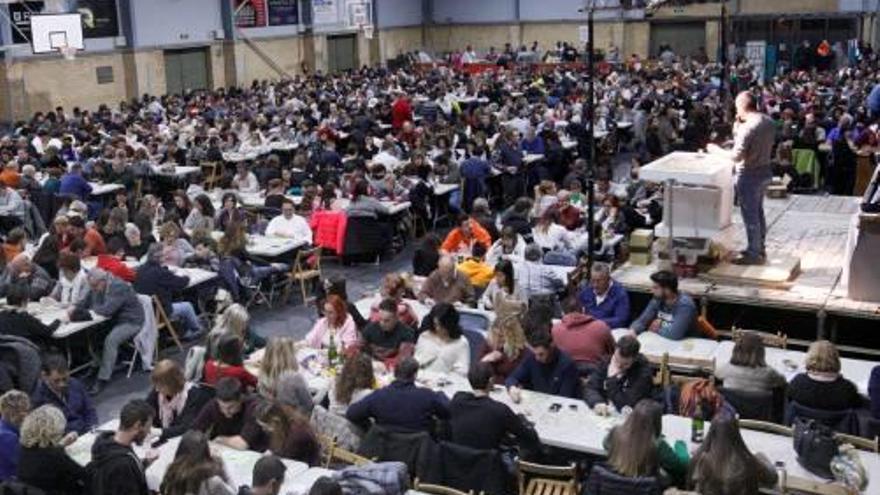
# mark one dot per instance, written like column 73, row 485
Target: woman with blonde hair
column 822, row 386
column 235, row 319
column 43, row 463
column 194, row 470
column 545, row 197
column 505, row 346
column 279, row 378
column 176, row 249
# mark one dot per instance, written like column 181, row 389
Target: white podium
column 699, row 203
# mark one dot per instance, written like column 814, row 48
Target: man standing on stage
column 753, row 135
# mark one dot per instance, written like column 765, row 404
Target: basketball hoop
column 368, row 32
column 68, row 52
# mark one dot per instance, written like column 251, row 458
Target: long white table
column 50, row 311
column 574, row 426
column 265, row 246
column 272, row 247
column 197, row 276
column 787, row 362
column 239, row 464
column 364, row 304
column 175, row 171
column 253, row 154
column 441, row 189
column 103, row 188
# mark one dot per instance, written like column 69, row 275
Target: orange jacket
column 456, row 241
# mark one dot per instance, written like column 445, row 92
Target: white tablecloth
column 239, row 464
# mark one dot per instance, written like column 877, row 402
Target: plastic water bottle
column 782, row 476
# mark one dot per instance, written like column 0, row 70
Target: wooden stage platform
column 813, row 228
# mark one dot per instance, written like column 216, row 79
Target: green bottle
column 331, row 353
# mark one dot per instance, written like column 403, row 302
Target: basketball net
column 68, row 52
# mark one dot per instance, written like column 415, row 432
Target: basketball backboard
column 54, row 33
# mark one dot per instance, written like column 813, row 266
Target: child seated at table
column 228, row 362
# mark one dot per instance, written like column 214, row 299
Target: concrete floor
column 294, row 319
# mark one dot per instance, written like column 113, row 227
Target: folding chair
column 306, row 267
column 334, row 455
column 255, row 290
column 778, row 340
column 211, row 172
column 538, row 479
column 694, row 366
column 149, row 331
column 437, row 489
column 164, row 321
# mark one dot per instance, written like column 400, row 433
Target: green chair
column 806, row 162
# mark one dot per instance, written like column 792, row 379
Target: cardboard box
column 641, row 240
column 640, row 259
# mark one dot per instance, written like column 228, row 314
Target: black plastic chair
column 845, row 421
column 365, row 238
column 764, row 405
column 604, row 481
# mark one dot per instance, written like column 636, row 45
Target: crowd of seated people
column 374, row 140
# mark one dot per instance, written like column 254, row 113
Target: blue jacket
column 676, row 321
column 874, row 99
column 10, row 450
column 401, row 405
column 535, row 146
column 156, row 279
column 557, row 378
column 614, row 310
column 75, row 185
column 77, row 406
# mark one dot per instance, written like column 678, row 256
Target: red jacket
column 401, row 111
column 116, row 267
column 214, row 371
column 584, row 338
column 329, row 229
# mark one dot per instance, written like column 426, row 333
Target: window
column 105, row 74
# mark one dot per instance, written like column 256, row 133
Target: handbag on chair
column 815, row 446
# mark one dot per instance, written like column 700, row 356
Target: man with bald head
column 446, row 284
column 117, row 301
column 753, row 136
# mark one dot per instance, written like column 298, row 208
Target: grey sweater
column 118, row 302
column 749, row 379
column 366, row 206
column 753, row 142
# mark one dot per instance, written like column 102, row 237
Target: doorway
column 341, row 52
column 186, row 70
column 684, row 37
